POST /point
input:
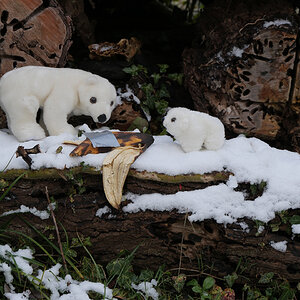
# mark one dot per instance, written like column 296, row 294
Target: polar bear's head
column 97, row 98
column 177, row 121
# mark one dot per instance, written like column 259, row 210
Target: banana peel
column 116, row 166
column 117, row 163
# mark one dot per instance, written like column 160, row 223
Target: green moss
column 52, row 173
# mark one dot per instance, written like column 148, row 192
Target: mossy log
column 162, row 237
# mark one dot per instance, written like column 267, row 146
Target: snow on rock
column 279, row 246
column 249, row 159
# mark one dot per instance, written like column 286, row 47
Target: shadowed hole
column 135, row 106
column 247, row 73
column 288, row 58
column 51, row 56
column 13, row 22
column 271, row 44
column 280, row 85
column 246, row 92
column 122, row 112
column 17, row 26
column 238, row 90
column 3, row 31
column 285, row 51
column 258, row 47
column 244, row 77
column 4, row 16
column 208, row 228
column 266, row 42
column 289, row 72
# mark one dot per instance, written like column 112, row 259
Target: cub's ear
column 93, row 79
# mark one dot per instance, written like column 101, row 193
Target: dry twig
column 57, row 232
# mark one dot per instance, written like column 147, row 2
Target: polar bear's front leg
column 22, row 120
column 55, row 116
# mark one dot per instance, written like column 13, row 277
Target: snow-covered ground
column 249, row 159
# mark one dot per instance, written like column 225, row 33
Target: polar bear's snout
column 102, row 118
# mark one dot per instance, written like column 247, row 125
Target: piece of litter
column 102, row 139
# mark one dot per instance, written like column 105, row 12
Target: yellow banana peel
column 116, row 166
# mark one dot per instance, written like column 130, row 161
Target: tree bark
column 33, row 32
column 245, row 69
column 162, row 237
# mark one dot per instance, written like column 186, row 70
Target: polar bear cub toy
column 194, row 130
column 60, row 92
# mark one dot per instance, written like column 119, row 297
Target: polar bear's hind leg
column 23, row 120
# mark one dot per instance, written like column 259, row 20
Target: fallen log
column 163, row 237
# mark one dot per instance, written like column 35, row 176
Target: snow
column 244, row 226
column 127, row 95
column 147, row 289
column 24, row 209
column 102, row 211
column 50, row 279
column 249, row 159
column 279, row 246
column 296, row 228
column 16, row 257
column 237, row 51
column 18, row 296
column 277, row 23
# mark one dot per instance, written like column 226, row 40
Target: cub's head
column 177, row 121
column 97, row 98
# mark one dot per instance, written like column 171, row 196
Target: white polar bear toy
column 60, row 92
column 194, row 129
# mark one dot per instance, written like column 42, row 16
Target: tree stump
column 246, row 71
column 162, row 237
column 33, row 32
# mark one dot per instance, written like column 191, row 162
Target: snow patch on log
column 279, row 246
column 25, row 209
column 277, row 23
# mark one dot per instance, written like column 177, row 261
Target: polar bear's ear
column 93, row 79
